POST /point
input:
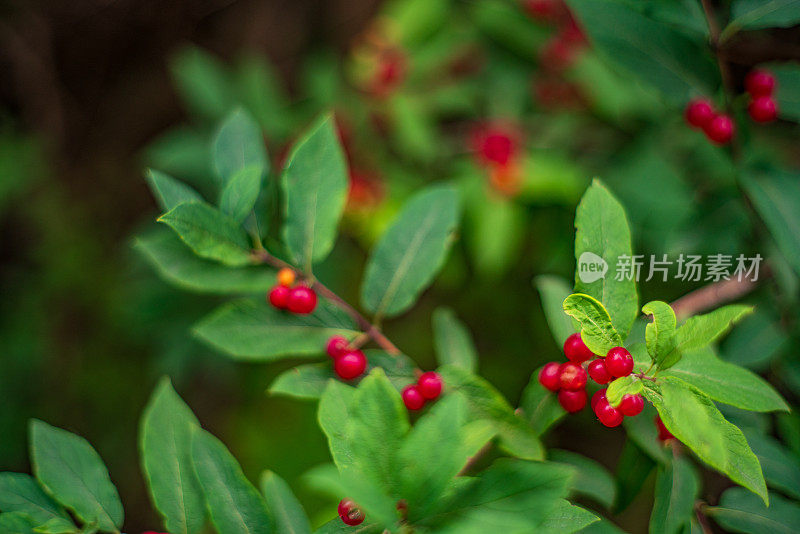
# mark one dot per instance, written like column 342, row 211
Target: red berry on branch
column 619, row 362
column 699, row 112
column 663, row 433
column 572, row 376
column 550, row 376
column 607, row 414
column 598, row 372
column 720, row 129
column 412, row 397
column 337, row 347
column 430, row 385
column 302, row 300
column 598, row 396
column 572, row 401
column 763, row 109
column 759, row 83
column 576, row 350
column 279, row 297
column 631, row 405
column 350, row 365
column 350, row 513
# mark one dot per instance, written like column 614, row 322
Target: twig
column 474, row 459
column 714, row 34
column 712, row 295
column 701, row 518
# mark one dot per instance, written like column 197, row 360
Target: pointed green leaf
column 240, row 193
column 203, row 82
column 553, row 290
column 740, row 511
column 453, row 342
column 591, row 478
column 677, row 487
column 20, row 492
column 168, row 191
column 239, row 144
column 334, row 412
column 701, row 330
column 627, row 385
column 754, row 14
column 287, row 513
column 411, row 252
column 597, row 331
column 660, row 332
column 566, row 517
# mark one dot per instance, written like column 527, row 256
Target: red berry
column 576, row 350
column 430, row 385
column 631, row 405
column 598, row 372
column 763, row 109
column 572, row 401
column 337, row 346
column 279, row 297
column 720, row 129
column 619, row 362
column 550, row 376
column 699, row 112
column 663, row 433
column 302, row 300
column 572, row 376
column 497, row 147
column 412, row 397
column 350, row 365
column 598, row 396
column 607, row 414
column 350, row 513
column 759, row 83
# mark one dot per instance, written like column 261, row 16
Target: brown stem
column 714, row 33
column 712, row 295
column 701, row 518
column 474, row 459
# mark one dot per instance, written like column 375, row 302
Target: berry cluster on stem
column 427, row 388
column 348, row 362
column 295, row 298
column 760, row 85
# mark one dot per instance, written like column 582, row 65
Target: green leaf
column 627, row 385
column 787, row 90
column 780, row 466
column 16, row 523
column 234, row 505
column 333, row 414
column 591, row 480
column 633, row 470
column 566, row 517
column 240, row 193
column 755, row 14
column 540, row 406
column 238, row 144
column 726, row 382
column 701, row 330
column 178, row 265
column 740, row 511
column 756, row 341
column 165, row 443
column 168, row 191
column 56, row 525
column 21, row 493
column 485, row 402
column 73, row 473
column 692, row 418
column 676, row 64
column 644, row 434
column 253, row 330
column 411, row 252
column 337, row 526
column 553, row 290
column 315, row 188
column 453, row 342
column 203, row 82
column 677, row 487
column 209, row 233
column 287, row 512
column 597, row 331
column 602, row 233
column 660, row 333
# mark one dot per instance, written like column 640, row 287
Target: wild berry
column 572, row 376
column 494, row 144
column 302, row 300
column 576, row 350
column 720, row 129
column 550, row 376
column 279, row 297
column 350, row 365
column 631, row 405
column 619, row 362
column 598, row 372
column 350, row 513
column 572, row 401
column 607, row 414
column 699, row 112
column 759, row 83
column 412, row 397
column 663, row 433
column 763, row 109
column 286, row 277
column 337, row 347
column 430, row 385
column 599, row 395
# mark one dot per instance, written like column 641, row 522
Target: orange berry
column 286, row 277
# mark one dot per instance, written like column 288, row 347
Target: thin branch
column 701, row 518
column 712, row 295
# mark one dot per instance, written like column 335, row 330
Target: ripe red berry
column 351, row 365
column 279, row 297
column 598, row 396
column 619, row 362
column 598, row 372
column 720, row 129
column 607, row 414
column 430, row 385
column 350, row 513
column 572, row 376
column 550, row 376
column 576, row 350
column 337, row 346
column 412, row 397
column 631, row 405
column 663, row 433
column 572, row 401
column 763, row 109
column 699, row 112
column 302, row 300
column 759, row 83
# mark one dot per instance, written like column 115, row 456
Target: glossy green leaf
column 72, row 472
column 677, row 487
column 591, row 480
column 288, row 515
column 660, row 332
column 209, row 233
column 755, row 14
column 168, row 191
column 566, row 517
column 453, row 342
column 553, row 290
column 627, row 385
column 597, row 330
column 540, row 405
column 740, row 511
column 203, row 83
column 240, row 193
column 20, row 492
column 602, row 235
column 701, row 330
column 239, row 144
column 411, row 252
column 314, row 187
column 234, row 505
column 253, row 330
column 165, row 443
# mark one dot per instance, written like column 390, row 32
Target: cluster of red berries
column 350, row 513
column 427, row 388
column 718, row 127
column 286, row 295
column 348, row 363
column 760, row 84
